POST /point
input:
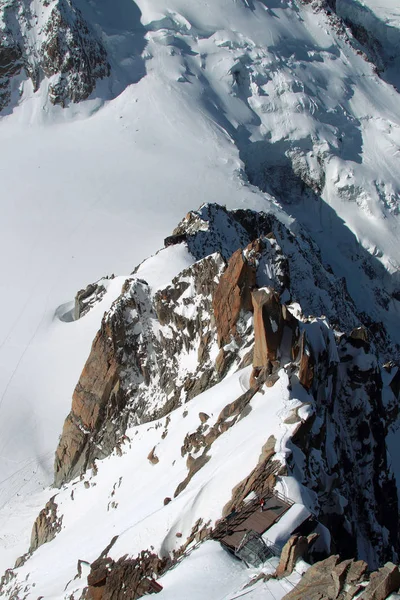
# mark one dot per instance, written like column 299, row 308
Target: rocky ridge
column 132, row 374
column 249, row 298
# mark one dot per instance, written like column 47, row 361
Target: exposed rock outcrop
column 129, row 374
column 87, row 298
column 343, row 444
column 124, row 578
column 329, row 579
column 46, row 526
column 382, row 583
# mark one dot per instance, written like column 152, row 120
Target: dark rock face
column 65, row 49
column 46, row 526
column 10, row 64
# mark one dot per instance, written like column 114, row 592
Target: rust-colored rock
column 268, row 326
column 233, row 294
column 96, row 397
column 46, row 526
column 307, row 363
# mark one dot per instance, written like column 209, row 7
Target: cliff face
column 343, row 445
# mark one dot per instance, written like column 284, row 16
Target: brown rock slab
column 382, row 583
column 330, row 579
column 295, row 548
column 268, row 326
column 233, row 294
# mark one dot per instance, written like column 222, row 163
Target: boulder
column 152, row 457
column 203, row 417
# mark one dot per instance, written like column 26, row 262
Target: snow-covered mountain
column 257, row 350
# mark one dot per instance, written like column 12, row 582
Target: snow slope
column 118, row 498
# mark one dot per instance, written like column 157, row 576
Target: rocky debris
column 46, row 526
column 204, row 436
column 65, row 49
column 87, row 298
column 126, row 577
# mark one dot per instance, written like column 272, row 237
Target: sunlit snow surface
column 93, row 189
